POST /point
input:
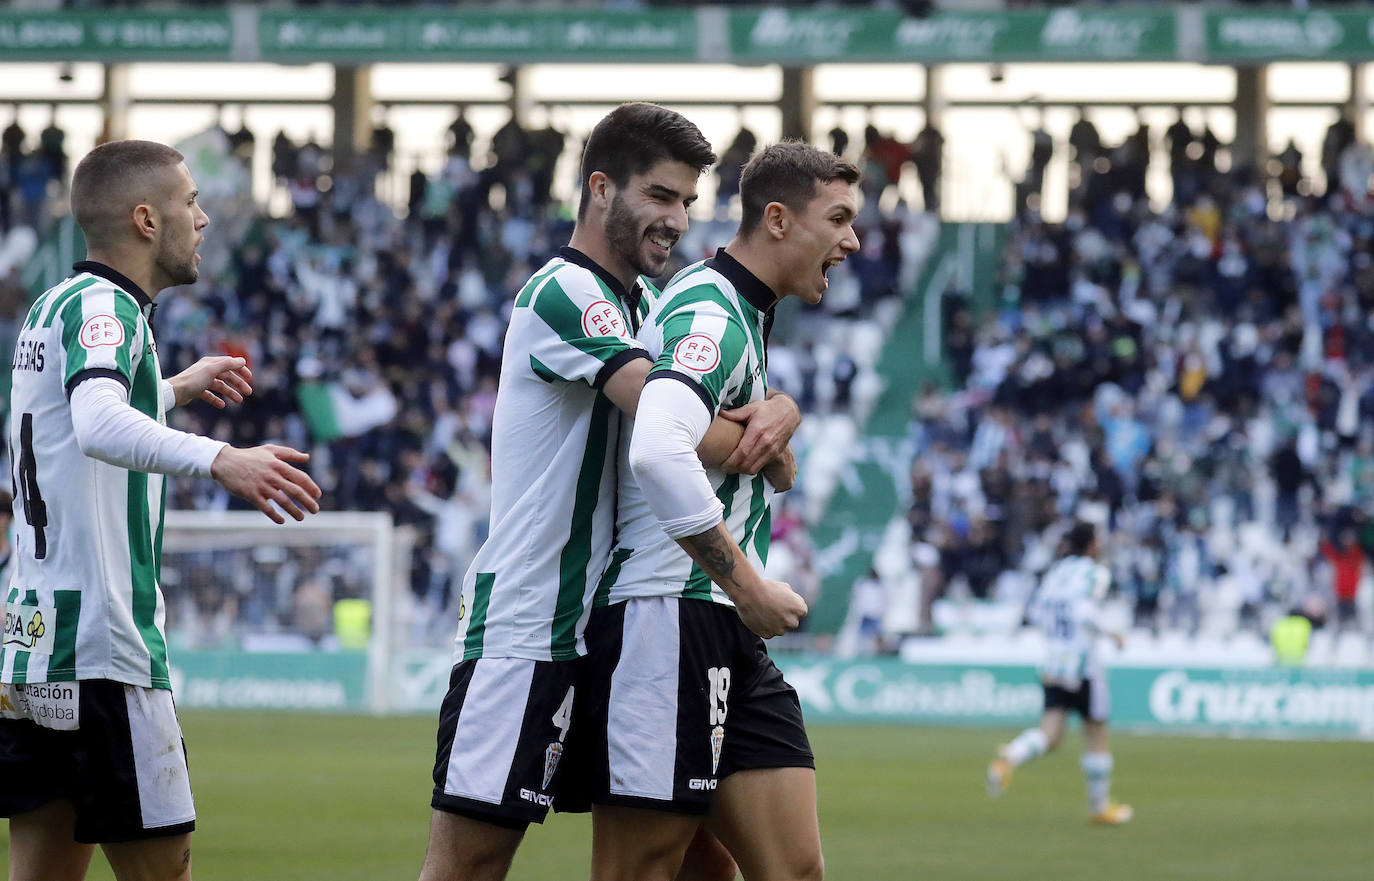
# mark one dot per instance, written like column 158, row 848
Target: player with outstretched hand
column 90, row 747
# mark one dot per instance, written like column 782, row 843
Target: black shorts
column 119, row 758
column 679, row 694
column 503, row 728
column 1090, row 699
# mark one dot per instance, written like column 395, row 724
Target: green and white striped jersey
column 83, row 600
column 1065, row 607
column 708, row 329
column 553, row 457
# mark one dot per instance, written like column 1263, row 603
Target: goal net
column 306, row 595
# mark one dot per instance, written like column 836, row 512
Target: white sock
column 1097, row 771
column 1029, row 744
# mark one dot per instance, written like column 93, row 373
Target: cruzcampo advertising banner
column 74, row 35
column 478, row 35
column 839, row 35
column 1276, row 34
column 1275, row 702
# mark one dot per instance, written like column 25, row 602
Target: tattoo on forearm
column 717, row 556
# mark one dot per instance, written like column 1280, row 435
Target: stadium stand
column 1197, row 376
column 1199, row 380
column 375, row 339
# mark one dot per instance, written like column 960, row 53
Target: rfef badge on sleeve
column 602, row 318
column 697, row 352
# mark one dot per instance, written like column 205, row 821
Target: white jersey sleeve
column 107, row 428
column 579, row 332
column 667, row 429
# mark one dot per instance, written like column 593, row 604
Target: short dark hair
column 108, row 176
column 790, row 173
column 1080, row 537
column 632, row 138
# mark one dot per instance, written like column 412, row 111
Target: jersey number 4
column 562, row 717
column 25, row 485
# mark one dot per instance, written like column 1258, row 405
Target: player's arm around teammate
column 744, row 769
column 569, row 353
column 753, row 439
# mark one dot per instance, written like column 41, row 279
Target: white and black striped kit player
column 525, row 599
column 86, row 693
column 680, row 693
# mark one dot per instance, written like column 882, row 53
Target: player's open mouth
column 825, row 270
column 664, row 242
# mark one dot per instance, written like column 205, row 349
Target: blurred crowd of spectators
column 375, row 334
column 28, row 167
column 1200, row 380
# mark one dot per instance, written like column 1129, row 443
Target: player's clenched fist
column 772, row 609
column 265, row 476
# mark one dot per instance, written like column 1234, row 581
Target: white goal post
column 249, row 570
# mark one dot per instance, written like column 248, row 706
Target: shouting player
column 570, row 367
column 694, row 723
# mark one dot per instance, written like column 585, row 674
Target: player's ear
column 145, row 221
column 599, row 184
column 776, row 219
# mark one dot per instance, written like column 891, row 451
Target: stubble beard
column 627, row 239
column 179, row 271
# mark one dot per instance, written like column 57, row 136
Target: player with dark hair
column 90, row 747
column 570, row 367
column 1066, row 608
column 694, row 724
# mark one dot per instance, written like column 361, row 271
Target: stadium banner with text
column 1263, row 35
column 1264, row 702
column 742, row 35
column 271, row 681
column 1261, row 702
column 77, row 35
column 478, row 35
column 842, row 35
column 1269, row 702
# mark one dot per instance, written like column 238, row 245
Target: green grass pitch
column 287, row 797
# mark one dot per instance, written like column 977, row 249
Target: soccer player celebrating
column 694, row 723
column 570, row 367
column 90, row 748
column 1066, row 608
